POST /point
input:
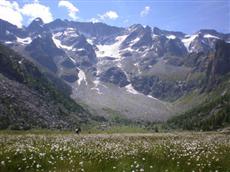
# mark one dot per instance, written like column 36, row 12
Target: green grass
column 106, row 128
column 62, row 152
column 111, row 129
column 35, row 131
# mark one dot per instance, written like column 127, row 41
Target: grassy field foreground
column 115, row 152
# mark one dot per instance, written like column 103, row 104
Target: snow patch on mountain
column 210, row 36
column 20, row 61
column 138, row 67
column 8, row 42
column 58, row 34
column 135, row 41
column 154, row 36
column 59, row 44
column 73, row 60
column 82, row 77
column 128, row 49
column 98, row 84
column 97, row 90
column 171, row 37
column 187, row 41
column 90, row 41
column 24, row 41
column 131, row 90
column 70, row 32
column 151, row 97
column 110, row 50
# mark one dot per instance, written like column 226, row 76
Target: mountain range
column 140, row 73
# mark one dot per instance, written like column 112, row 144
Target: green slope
column 29, row 99
column 211, row 110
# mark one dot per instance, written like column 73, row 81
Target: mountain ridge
column 140, row 65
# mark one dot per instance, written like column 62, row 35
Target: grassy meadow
column 158, row 152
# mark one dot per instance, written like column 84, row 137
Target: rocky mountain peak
column 58, row 23
column 136, row 27
column 36, row 26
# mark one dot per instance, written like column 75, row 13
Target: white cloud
column 94, row 20
column 13, row 13
column 10, row 11
column 35, row 9
column 109, row 15
column 145, row 11
column 112, row 15
column 72, row 10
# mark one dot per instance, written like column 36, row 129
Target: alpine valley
column 139, row 73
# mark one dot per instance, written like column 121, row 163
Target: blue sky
column 187, row 16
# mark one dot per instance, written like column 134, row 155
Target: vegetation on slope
column 26, row 94
column 210, row 115
column 209, row 108
column 17, row 68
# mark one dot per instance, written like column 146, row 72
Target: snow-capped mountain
column 132, row 71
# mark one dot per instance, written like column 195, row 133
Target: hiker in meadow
column 78, row 130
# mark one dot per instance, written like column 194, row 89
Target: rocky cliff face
column 219, row 64
column 44, row 51
column 114, row 75
column 163, row 89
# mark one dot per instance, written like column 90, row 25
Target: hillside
column 28, row 99
column 210, row 115
column 214, row 111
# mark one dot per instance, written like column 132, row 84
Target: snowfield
column 112, row 50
